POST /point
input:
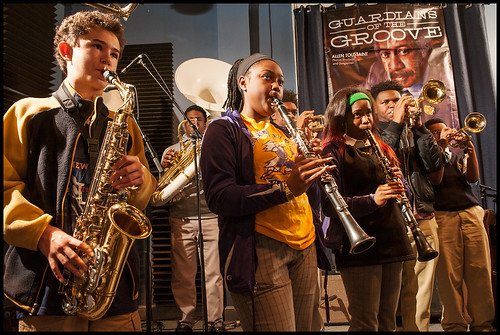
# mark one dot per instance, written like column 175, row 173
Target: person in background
column 256, row 182
column 50, row 151
column 411, row 61
column 301, row 119
column 464, row 263
column 422, row 165
column 183, row 218
column 372, row 278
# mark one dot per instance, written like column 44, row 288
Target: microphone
column 132, row 63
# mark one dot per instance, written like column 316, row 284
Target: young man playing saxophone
column 48, row 166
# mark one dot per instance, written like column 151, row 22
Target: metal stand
column 483, row 191
column 149, row 148
column 195, row 136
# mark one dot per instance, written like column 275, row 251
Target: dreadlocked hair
column 234, row 99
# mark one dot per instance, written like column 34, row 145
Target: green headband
column 358, row 96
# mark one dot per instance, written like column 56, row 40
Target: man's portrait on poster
column 366, row 45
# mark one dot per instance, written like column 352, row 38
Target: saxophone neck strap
column 71, row 106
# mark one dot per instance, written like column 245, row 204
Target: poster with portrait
column 368, row 44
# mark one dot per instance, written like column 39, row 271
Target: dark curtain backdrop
column 312, row 85
column 466, row 31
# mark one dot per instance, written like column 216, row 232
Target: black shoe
column 216, row 327
column 182, row 327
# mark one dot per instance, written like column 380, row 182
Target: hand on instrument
column 167, row 159
column 396, row 171
column 315, row 144
column 445, row 135
column 388, row 191
column 402, row 109
column 128, row 171
column 305, row 171
column 301, row 119
column 60, row 247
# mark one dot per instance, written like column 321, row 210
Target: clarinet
column 424, row 249
column 359, row 240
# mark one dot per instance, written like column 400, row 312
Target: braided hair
column 234, row 99
column 240, row 68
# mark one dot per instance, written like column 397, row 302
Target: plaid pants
column 286, row 284
column 54, row 323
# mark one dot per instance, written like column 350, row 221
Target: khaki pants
column 184, row 254
column 418, row 282
column 126, row 322
column 286, row 291
column 464, row 258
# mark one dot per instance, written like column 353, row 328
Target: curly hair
column 78, row 24
column 388, row 85
column 430, row 122
column 290, row 96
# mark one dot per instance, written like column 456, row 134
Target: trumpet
column 434, row 92
column 474, row 122
column 314, row 125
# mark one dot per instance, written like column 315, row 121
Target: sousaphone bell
column 203, row 81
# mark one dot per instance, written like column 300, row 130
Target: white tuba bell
column 204, row 82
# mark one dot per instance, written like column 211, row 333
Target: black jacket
column 53, row 138
column 421, row 157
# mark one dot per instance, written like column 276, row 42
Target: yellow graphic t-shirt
column 274, row 157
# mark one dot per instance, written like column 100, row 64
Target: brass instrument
column 474, row 122
column 358, row 239
column 204, row 82
column 179, row 173
column 315, row 124
column 107, row 224
column 424, row 249
column 115, row 9
column 434, row 92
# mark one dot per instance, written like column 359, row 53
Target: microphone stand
column 149, row 148
column 195, row 137
column 483, row 191
column 145, row 138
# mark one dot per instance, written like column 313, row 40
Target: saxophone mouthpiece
column 109, row 75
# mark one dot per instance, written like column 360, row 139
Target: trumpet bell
column 203, row 81
column 475, row 122
column 434, row 91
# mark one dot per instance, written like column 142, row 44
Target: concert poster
column 368, row 44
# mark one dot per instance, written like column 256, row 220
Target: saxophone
column 424, row 249
column 358, row 239
column 180, row 172
column 107, row 224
